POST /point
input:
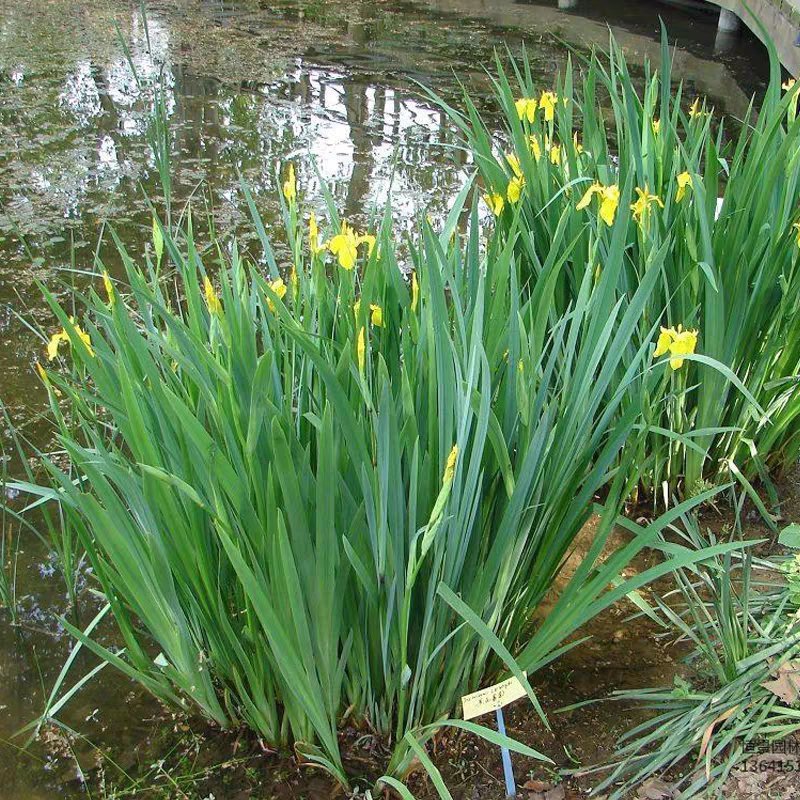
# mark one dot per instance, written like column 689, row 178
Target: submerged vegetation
column 339, row 488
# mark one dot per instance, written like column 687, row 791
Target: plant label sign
column 492, row 698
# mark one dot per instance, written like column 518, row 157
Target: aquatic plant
column 626, row 163
column 335, row 491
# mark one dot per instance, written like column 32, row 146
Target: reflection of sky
column 365, row 140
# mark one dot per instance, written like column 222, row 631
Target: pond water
column 330, row 85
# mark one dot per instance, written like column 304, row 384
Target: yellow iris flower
column 376, row 313
column 536, row 147
column 109, row 287
column 684, row 183
column 526, row 108
column 314, row 243
column 514, row 190
column 678, row 343
column 641, row 207
column 346, row 243
column 361, row 349
column 696, row 111
column 212, row 301
column 279, row 287
column 547, row 102
column 495, row 202
column 450, row 466
column 513, row 162
column 63, row 336
column 290, row 186
column 555, row 154
column 656, row 126
column 609, row 201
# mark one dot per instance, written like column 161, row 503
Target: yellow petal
column 609, row 203
column 361, row 349
column 109, row 287
column 664, row 341
column 290, row 186
column 514, row 190
column 53, row 344
column 414, row 292
column 212, row 301
column 513, row 162
column 450, row 467
column 376, row 315
column 684, row 183
column 587, row 197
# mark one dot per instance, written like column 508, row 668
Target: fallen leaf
column 786, row 685
column 537, row 786
column 655, row 789
column 710, row 729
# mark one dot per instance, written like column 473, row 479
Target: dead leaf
column 710, row 730
column 537, row 786
column 655, row 789
column 786, row 685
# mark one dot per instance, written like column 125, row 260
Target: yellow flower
column 678, row 343
column 313, row 236
column 576, row 144
column 345, row 245
column 63, row 336
column 656, row 126
column 514, row 190
column 53, row 344
column 42, row 374
column 212, row 301
column 796, row 227
column 788, row 85
column 279, row 288
column 526, row 108
column 109, row 287
column 450, row 467
column 376, row 313
column 414, row 292
column 513, row 162
column 495, row 202
column 290, row 186
column 641, row 207
column 536, row 147
column 555, row 154
column 608, row 204
column 684, row 183
column 361, row 349
column 609, row 200
column 695, row 110
column 547, row 102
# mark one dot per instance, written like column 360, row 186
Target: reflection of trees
column 354, row 97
